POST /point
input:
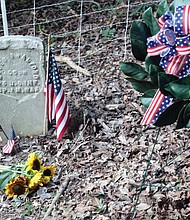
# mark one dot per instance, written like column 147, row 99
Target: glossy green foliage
column 139, row 33
column 133, row 70
column 151, row 21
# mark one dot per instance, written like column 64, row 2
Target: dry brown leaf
column 143, row 206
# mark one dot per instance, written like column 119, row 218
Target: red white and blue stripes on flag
column 172, row 43
column 57, row 106
column 8, row 148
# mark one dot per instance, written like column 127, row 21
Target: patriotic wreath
column 163, row 44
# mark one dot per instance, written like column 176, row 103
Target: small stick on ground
column 59, row 193
column 72, row 64
column 75, row 148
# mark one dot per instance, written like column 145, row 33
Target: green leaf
column 136, row 10
column 170, row 115
column 5, row 177
column 181, row 2
column 184, row 117
column 147, row 97
column 188, row 124
column 138, row 49
column 163, row 7
column 141, row 8
column 180, row 88
column 172, row 7
column 133, row 70
column 108, row 32
column 4, row 174
column 154, row 60
column 153, row 73
column 141, row 86
column 163, row 80
column 151, row 21
column 187, row 115
column 139, row 33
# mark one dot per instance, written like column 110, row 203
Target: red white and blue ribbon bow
column 172, row 43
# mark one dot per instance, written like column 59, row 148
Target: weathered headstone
column 22, row 76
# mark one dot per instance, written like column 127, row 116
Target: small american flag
column 57, row 106
column 182, row 16
column 8, row 148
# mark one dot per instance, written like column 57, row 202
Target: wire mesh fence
column 73, row 24
column 88, row 32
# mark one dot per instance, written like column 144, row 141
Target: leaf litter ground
column 105, row 152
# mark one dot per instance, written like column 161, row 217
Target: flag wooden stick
column 4, row 17
column 1, row 129
column 46, row 81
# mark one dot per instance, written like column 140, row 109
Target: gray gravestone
column 22, row 76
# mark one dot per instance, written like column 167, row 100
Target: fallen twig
column 59, row 193
column 72, row 64
column 75, row 148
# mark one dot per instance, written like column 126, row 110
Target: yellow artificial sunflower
column 33, row 163
column 17, row 186
column 35, row 181
column 45, row 179
column 48, row 172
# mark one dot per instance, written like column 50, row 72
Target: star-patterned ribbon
column 172, row 44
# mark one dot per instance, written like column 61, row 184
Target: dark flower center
column 36, row 165
column 47, row 172
column 18, row 189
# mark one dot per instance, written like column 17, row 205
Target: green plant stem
column 3, row 167
column 12, row 169
column 167, row 188
column 144, row 175
column 17, row 172
column 170, row 161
